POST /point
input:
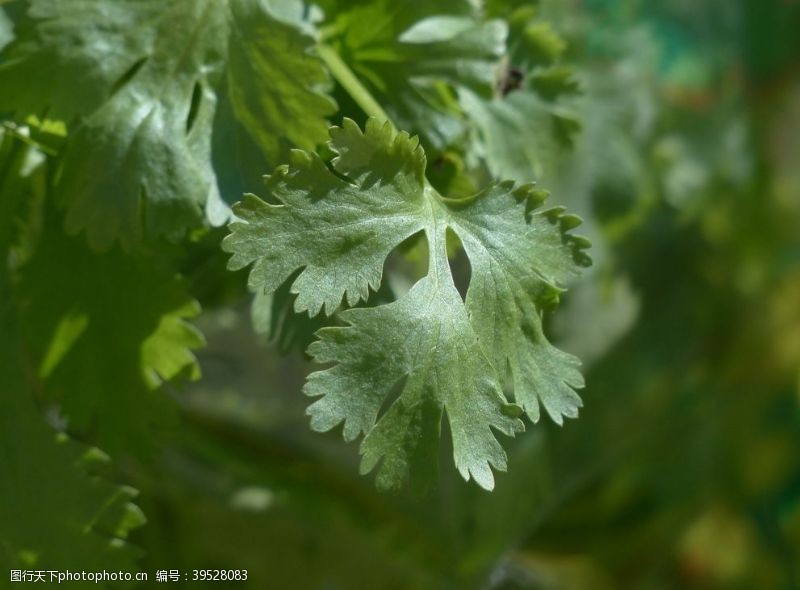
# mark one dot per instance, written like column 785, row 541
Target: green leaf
column 144, row 91
column 412, row 55
column 274, row 79
column 107, row 329
column 522, row 131
column 538, row 44
column 444, row 356
column 554, row 82
column 520, row 136
column 53, row 514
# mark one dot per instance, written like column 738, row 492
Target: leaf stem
column 347, row 79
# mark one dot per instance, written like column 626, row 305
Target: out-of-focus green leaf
column 412, row 56
column 53, row 515
column 276, row 93
column 143, row 92
column 518, row 135
column 107, row 329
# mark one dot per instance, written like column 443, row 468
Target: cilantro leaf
column 524, row 129
column 519, row 136
column 142, row 79
column 445, row 356
column 274, row 80
column 517, row 265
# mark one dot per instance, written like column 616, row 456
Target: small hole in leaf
column 406, row 264
column 459, row 263
column 194, row 107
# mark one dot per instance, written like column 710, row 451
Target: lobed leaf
column 337, row 225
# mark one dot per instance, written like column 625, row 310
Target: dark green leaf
column 143, row 91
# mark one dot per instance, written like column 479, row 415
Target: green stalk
column 347, row 79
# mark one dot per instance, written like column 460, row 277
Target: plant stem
column 347, row 79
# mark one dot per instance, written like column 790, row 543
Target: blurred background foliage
column 673, row 129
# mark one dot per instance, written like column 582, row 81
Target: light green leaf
column 517, row 265
column 445, row 356
column 142, row 79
